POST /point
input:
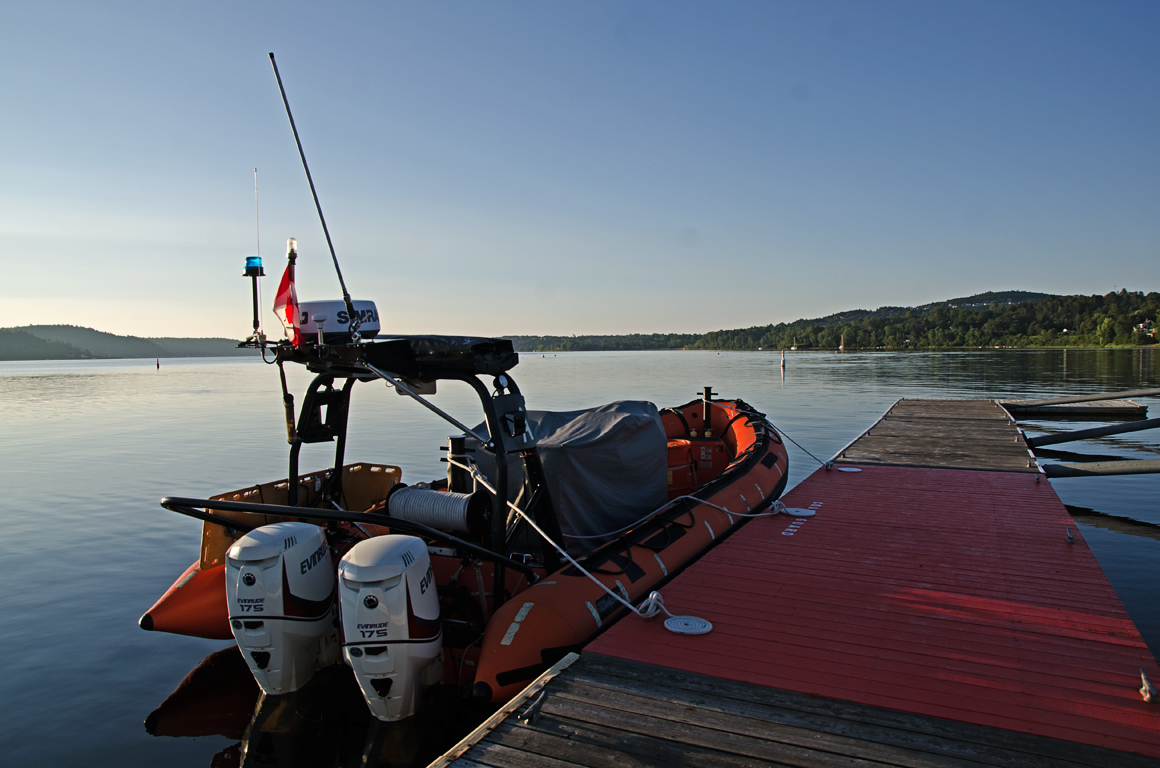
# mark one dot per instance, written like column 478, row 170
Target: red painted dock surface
column 942, row 592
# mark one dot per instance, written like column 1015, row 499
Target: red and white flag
column 286, row 305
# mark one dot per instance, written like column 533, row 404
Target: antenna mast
column 257, row 221
column 354, row 319
column 258, row 243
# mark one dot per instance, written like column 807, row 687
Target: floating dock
column 1111, row 406
column 945, row 434
column 940, row 609
column 1107, row 410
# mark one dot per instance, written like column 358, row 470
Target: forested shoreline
column 1055, row 321
column 1006, row 319
column 71, row 342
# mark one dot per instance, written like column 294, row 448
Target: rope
column 799, row 445
column 684, row 625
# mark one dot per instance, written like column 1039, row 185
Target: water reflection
column 216, row 698
column 325, row 723
column 1125, row 525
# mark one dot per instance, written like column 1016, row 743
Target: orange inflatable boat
column 545, row 529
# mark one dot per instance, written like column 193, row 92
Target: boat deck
column 932, row 612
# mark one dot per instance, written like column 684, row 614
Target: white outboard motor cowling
column 392, row 632
column 280, row 586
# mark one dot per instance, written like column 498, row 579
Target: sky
column 494, row 168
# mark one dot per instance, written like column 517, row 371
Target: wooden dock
column 946, row 434
column 606, row 712
column 1101, row 410
column 932, row 613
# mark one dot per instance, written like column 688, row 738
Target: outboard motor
column 280, row 589
column 392, row 633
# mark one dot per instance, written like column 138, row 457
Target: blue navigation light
column 254, row 267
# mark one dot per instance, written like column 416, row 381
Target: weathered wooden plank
column 620, row 705
column 596, row 747
column 503, row 712
column 500, row 756
column 920, row 749
column 958, row 434
column 992, row 746
column 1084, row 398
column 1109, row 410
column 1087, row 434
column 1104, row 468
column 689, row 732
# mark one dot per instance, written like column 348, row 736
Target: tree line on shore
column 1115, row 319
column 1004, row 319
column 71, row 342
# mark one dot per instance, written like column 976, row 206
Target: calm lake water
column 90, row 446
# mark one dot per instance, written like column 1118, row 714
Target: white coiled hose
column 435, row 509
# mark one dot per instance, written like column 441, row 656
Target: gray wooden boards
column 1087, row 434
column 1083, row 398
column 944, row 434
column 530, row 699
column 603, row 712
column 1103, row 410
column 1104, row 468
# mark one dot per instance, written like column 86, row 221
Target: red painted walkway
column 947, row 593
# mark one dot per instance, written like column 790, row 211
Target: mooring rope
column 782, row 432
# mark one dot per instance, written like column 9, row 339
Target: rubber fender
column 195, row 605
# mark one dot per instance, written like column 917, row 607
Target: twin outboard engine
column 280, row 584
column 280, row 591
column 392, row 632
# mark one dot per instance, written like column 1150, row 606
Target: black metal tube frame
column 190, row 507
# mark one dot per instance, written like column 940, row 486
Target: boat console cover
column 606, row 467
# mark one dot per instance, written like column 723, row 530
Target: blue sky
column 555, row 168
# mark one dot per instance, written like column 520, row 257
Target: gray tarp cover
column 606, row 466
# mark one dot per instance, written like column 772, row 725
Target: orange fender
column 195, row 605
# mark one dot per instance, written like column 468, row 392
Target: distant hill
column 96, row 343
column 978, row 301
column 989, row 298
column 997, row 318
column 71, row 342
column 20, row 345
